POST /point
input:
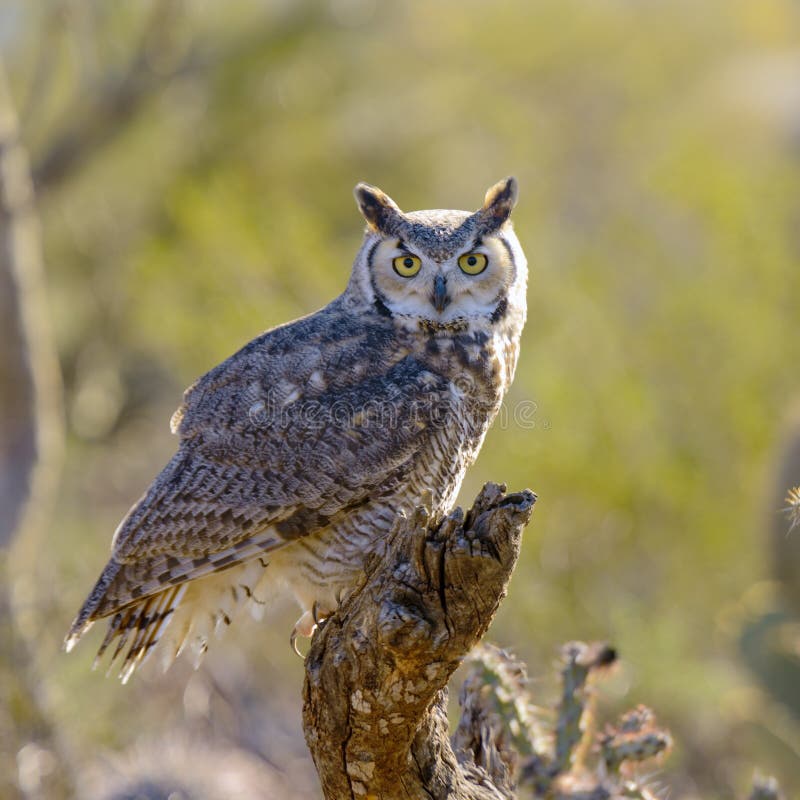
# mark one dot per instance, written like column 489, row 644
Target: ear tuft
column 499, row 201
column 376, row 206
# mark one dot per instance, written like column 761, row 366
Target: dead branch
column 99, row 114
column 375, row 692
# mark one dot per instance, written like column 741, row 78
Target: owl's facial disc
column 467, row 284
column 440, row 266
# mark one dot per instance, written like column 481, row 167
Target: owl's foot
column 318, row 615
column 307, row 624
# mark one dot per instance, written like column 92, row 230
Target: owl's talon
column 305, row 627
column 293, row 643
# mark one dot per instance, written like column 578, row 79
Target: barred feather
column 188, row 614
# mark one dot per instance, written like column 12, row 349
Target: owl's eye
column 406, row 266
column 473, row 263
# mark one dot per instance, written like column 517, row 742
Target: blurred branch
column 44, row 70
column 17, row 404
column 115, row 104
column 30, row 447
column 154, row 65
column 30, row 387
column 375, row 700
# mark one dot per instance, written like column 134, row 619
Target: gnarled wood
column 375, row 692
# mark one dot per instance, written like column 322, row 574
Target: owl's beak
column 440, row 297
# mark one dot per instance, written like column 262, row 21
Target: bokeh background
column 193, row 166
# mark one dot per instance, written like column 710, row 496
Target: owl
column 297, row 454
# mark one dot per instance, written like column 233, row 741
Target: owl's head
column 441, row 267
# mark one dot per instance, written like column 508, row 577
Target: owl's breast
column 476, row 369
column 478, row 364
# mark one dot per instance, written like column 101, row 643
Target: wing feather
column 295, row 430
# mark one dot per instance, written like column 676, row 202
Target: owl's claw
column 305, row 627
column 307, row 624
column 293, row 643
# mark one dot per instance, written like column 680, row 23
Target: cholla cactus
column 559, row 755
column 766, row 787
column 559, row 760
column 793, row 508
column 501, row 681
column 636, row 737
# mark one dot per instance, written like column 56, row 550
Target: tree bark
column 375, row 697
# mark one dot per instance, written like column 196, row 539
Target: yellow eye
column 406, row 266
column 473, row 263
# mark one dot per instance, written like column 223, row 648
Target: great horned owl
column 298, row 452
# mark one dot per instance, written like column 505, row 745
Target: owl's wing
column 277, row 442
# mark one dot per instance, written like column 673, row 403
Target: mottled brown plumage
column 297, row 452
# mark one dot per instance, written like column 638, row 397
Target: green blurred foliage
column 656, row 145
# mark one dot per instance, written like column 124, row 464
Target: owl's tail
column 145, row 622
column 188, row 613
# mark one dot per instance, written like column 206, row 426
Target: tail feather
column 205, row 607
column 128, row 584
column 171, row 601
column 210, row 606
column 146, row 623
column 86, row 615
column 151, row 622
column 111, row 632
column 128, row 622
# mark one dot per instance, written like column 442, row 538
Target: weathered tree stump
column 375, row 694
